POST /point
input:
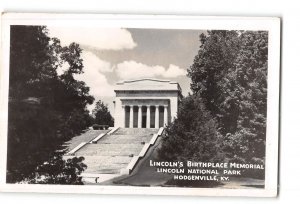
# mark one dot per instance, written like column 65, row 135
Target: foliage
column 59, row 171
column 230, row 74
column 247, row 143
column 45, row 109
column 102, row 114
column 100, row 127
column 193, row 135
column 215, row 58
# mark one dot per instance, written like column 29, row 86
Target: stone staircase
column 114, row 152
column 85, row 137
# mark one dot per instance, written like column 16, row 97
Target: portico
column 145, row 114
column 146, row 103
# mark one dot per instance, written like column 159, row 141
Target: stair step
column 114, row 152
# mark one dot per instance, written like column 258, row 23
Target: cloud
column 174, row 71
column 94, row 76
column 98, row 38
column 133, row 69
column 91, row 60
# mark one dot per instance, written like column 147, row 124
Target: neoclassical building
column 146, row 103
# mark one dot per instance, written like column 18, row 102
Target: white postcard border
column 272, row 25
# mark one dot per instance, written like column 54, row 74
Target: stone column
column 123, row 122
column 148, row 116
column 140, row 116
column 131, row 117
column 165, row 115
column 157, row 116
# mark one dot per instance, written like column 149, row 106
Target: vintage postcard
column 139, row 104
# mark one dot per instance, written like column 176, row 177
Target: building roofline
column 145, row 79
column 149, row 79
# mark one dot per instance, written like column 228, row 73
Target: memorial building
column 146, row 103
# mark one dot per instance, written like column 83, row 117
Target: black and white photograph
column 149, row 103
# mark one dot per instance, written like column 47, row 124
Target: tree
column 193, row 135
column 230, row 75
column 102, row 114
column 247, row 143
column 44, row 108
column 215, row 58
column 59, row 171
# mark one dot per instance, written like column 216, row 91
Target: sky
column 111, row 55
